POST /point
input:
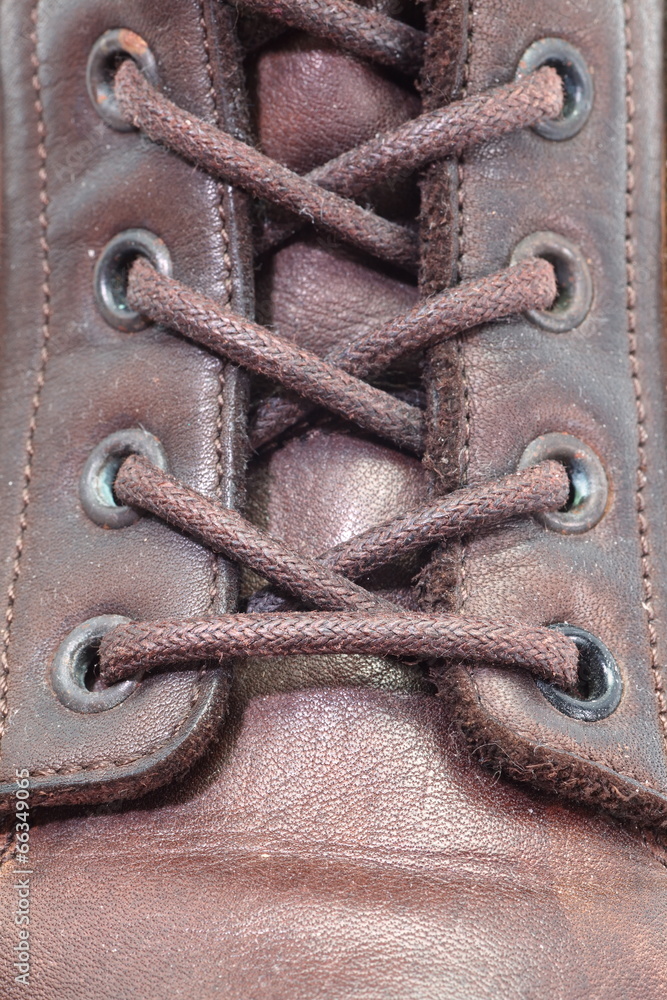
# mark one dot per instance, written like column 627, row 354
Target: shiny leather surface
column 344, row 846
column 337, row 840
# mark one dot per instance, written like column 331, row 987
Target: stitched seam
column 227, row 265
column 41, row 372
column 227, row 261
column 215, row 582
column 636, row 379
column 465, row 456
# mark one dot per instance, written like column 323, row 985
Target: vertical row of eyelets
column 600, row 683
column 73, row 669
column 572, row 274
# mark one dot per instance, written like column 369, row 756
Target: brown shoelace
column 328, row 383
column 348, row 618
column 314, row 198
column 365, row 33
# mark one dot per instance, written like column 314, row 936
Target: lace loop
column 506, row 293
column 319, row 582
column 431, row 136
column 140, row 483
column 315, row 197
column 327, row 384
column 237, row 163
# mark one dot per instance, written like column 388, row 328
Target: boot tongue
column 313, row 102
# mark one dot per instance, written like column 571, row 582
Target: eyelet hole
column 75, row 673
column 600, row 685
column 573, row 279
column 107, row 54
column 589, row 489
column 89, row 673
column 581, row 487
column 112, row 270
column 91, row 678
column 96, row 490
column 564, row 281
column 577, row 85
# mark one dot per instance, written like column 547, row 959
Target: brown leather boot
column 333, row 481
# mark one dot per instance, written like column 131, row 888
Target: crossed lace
column 345, row 616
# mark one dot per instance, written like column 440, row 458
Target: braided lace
column 344, row 616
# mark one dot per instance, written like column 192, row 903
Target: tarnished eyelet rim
column 598, row 671
column 108, row 50
column 110, row 276
column 99, row 473
column 72, row 662
column 573, row 275
column 586, row 474
column 577, row 80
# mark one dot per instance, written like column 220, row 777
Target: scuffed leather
column 79, row 380
column 597, row 189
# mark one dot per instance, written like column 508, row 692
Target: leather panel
column 521, row 382
column 81, row 380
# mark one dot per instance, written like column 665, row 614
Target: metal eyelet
column 73, row 669
column 105, row 57
column 575, row 285
column 589, row 490
column 111, row 271
column 577, row 83
column 600, row 680
column 99, row 474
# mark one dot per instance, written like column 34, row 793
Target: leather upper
column 332, row 837
column 601, row 382
column 69, row 379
